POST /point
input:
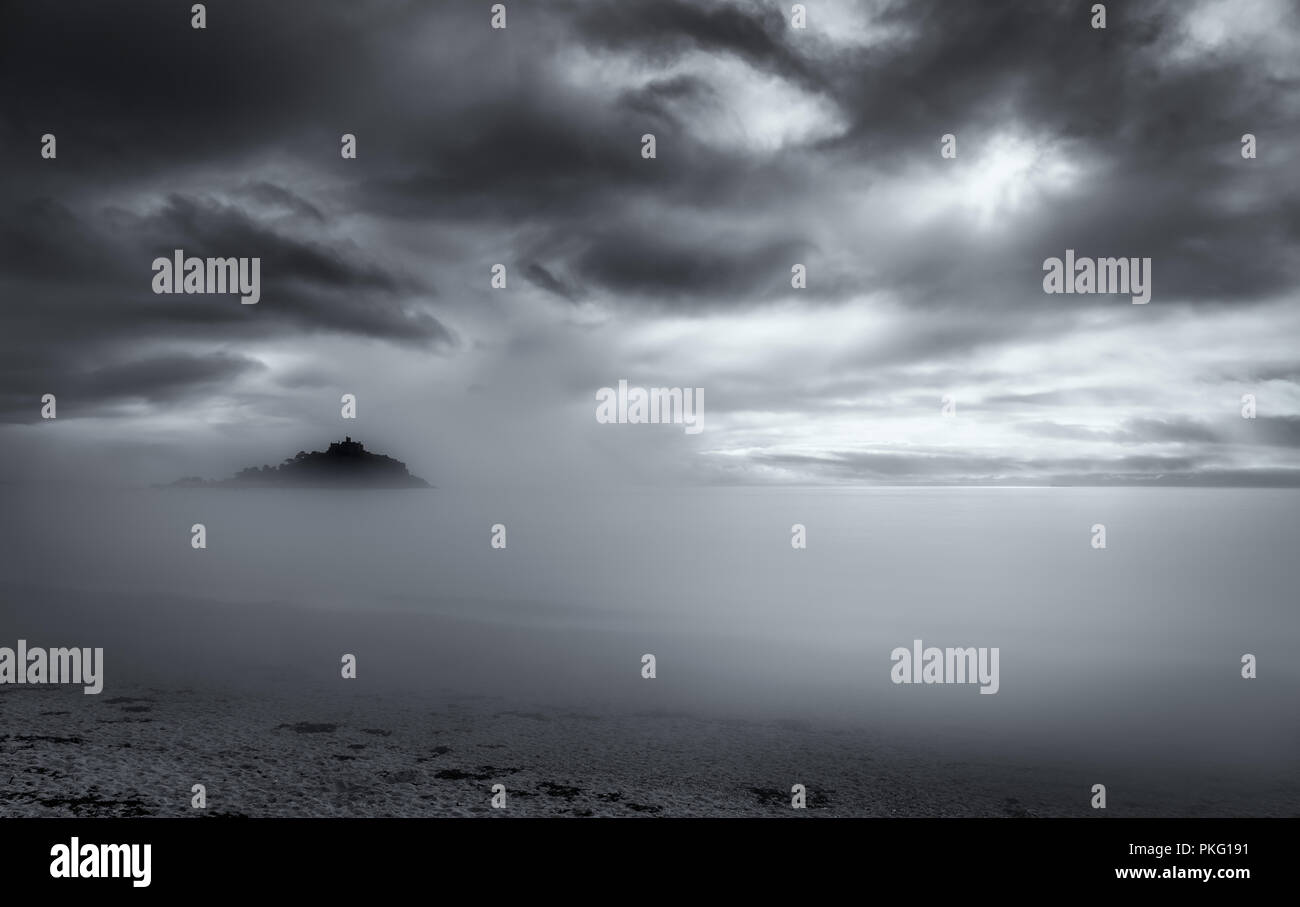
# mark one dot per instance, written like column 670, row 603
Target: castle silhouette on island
column 346, row 464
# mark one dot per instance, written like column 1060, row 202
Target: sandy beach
column 138, row 752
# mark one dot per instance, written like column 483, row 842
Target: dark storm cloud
column 1066, row 432
column 1204, row 477
column 502, row 148
column 1063, row 398
column 669, row 269
column 758, row 34
column 1132, row 431
column 540, row 277
column 85, row 391
column 131, row 88
column 1274, row 431
column 1265, row 371
column 1167, row 430
column 91, row 278
column 923, row 467
column 513, row 161
column 515, row 148
column 903, row 470
column 1279, row 431
column 972, row 65
column 654, row 99
column 160, row 129
column 150, row 378
column 1135, row 431
column 270, row 194
column 855, row 465
column 1146, row 131
column 207, row 224
column 523, row 146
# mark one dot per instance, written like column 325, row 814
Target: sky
column 775, row 146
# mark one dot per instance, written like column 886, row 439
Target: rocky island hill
column 346, row 464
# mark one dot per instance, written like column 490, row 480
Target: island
column 346, row 464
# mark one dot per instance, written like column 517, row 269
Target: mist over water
column 1130, row 653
